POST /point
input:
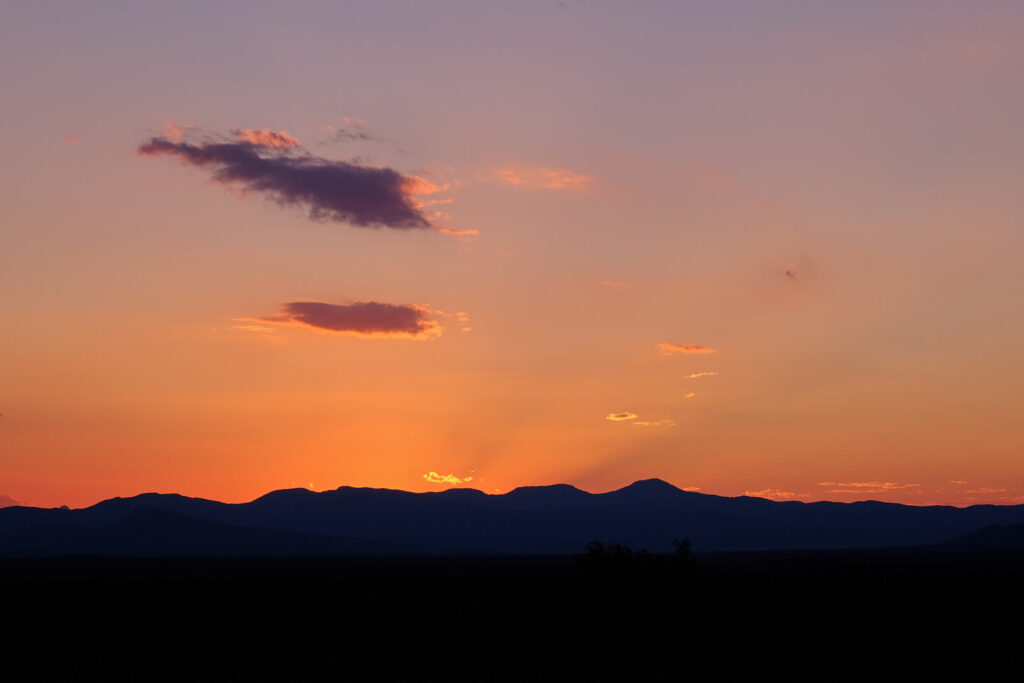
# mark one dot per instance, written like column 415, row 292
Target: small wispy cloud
column 70, row 139
column 174, row 131
column 653, row 423
column 988, row 489
column 435, row 478
column 352, row 130
column 617, row 284
column 621, row 417
column 866, row 486
column 457, row 233
column 691, row 394
column 268, row 138
column 461, row 318
column 360, row 318
column 261, row 331
column 706, row 373
column 669, row 349
column 772, row 494
column 543, row 178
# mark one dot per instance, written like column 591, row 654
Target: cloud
column 695, row 375
column 617, row 284
column 882, row 485
column 988, row 489
column 70, row 139
column 261, row 331
column 173, row 131
column 362, row 318
column 457, row 233
column 867, row 486
column 267, row 138
column 6, row 501
column 690, row 395
column 331, row 190
column 543, row 178
column 670, row 349
column 653, row 423
column 958, row 482
column 621, row 417
column 435, row 478
column 690, row 488
column 461, row 318
column 352, row 130
column 772, row 494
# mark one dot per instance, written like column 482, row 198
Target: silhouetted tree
column 683, row 562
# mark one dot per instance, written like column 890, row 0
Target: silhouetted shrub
column 682, row 561
column 618, row 560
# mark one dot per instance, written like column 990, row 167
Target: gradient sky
column 746, row 247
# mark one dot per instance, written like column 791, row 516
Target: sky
column 747, row 247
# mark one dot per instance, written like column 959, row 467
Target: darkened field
column 819, row 616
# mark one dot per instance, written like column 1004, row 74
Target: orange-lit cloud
column 362, row 318
column 461, row 317
column 653, row 423
column 882, row 485
column 959, row 482
column 772, row 494
column 264, row 332
column 621, row 417
column 690, row 395
column 670, row 349
column 988, row 489
column 268, row 138
column 617, row 284
column 435, row 478
column 695, row 375
column 457, row 233
column 861, row 487
column 689, row 488
column 543, row 178
column 414, row 184
column 173, row 131
column 70, row 138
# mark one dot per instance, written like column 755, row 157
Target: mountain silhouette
column 559, row 519
column 991, row 537
column 155, row 532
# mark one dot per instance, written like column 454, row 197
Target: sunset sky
column 763, row 248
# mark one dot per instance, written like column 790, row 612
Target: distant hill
column 992, row 537
column 155, row 532
column 556, row 519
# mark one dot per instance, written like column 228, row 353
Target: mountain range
column 559, row 519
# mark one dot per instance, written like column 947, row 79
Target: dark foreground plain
column 907, row 615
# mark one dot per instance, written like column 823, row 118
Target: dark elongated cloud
column 332, row 190
column 363, row 318
column 6, row 501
